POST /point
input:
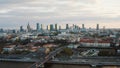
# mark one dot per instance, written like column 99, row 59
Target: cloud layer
column 19, row 12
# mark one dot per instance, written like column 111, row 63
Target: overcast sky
column 14, row 13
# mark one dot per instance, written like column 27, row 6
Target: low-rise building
column 9, row 48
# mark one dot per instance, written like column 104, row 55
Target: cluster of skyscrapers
column 54, row 27
column 50, row 27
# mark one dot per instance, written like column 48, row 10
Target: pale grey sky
column 14, row 13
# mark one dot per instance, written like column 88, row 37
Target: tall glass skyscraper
column 51, row 27
column 67, row 26
column 37, row 26
column 97, row 28
column 55, row 26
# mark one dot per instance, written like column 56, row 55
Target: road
column 90, row 60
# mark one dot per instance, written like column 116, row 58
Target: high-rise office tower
column 37, row 26
column 21, row 29
column 67, row 26
column 51, row 27
column 1, row 30
column 28, row 28
column 97, row 27
column 104, row 29
column 41, row 26
column 55, row 26
column 47, row 27
column 75, row 26
column 59, row 27
column 83, row 27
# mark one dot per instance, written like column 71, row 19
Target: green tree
column 67, row 51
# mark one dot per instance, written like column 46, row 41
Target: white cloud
column 60, row 10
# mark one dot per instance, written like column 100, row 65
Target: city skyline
column 14, row 14
column 39, row 26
